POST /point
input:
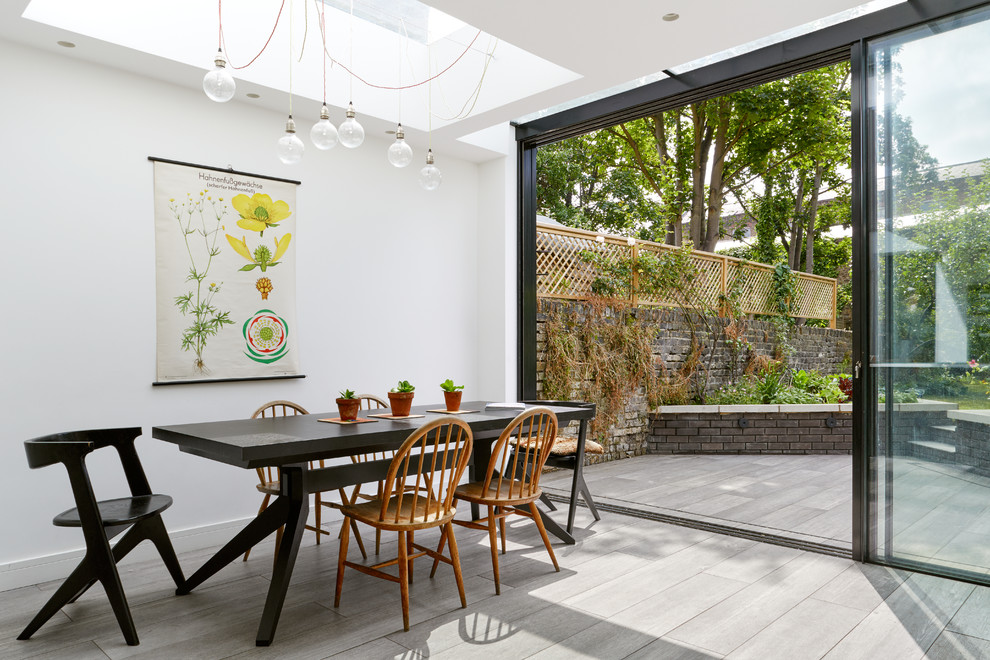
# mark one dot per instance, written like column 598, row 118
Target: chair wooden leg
column 378, row 540
column 110, row 580
column 501, row 527
column 264, row 505
column 278, row 542
column 455, row 559
column 357, row 537
column 341, row 558
column 436, row 562
column 404, row 579
column 159, row 536
column 543, row 533
column 409, row 551
column 319, row 518
column 494, row 543
column 72, row 587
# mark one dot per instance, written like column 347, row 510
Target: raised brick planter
column 767, row 429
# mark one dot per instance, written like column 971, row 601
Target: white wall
column 388, row 285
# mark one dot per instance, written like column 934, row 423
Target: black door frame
column 845, row 41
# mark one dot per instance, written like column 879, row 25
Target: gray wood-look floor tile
column 744, row 614
column 806, row 632
column 862, row 586
column 973, row 618
column 907, row 623
column 955, row 646
column 629, row 588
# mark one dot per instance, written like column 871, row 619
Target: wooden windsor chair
column 368, row 402
column 512, row 480
column 269, row 477
column 431, row 461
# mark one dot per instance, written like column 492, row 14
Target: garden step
column 951, row 428
column 934, row 446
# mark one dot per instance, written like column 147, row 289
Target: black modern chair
column 101, row 521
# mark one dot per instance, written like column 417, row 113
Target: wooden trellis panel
column 561, row 273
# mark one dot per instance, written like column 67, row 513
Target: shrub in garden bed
column 775, row 384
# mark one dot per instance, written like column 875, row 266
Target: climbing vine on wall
column 602, row 355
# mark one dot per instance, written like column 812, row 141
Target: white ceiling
column 548, row 52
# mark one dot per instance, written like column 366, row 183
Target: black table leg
column 267, row 522
column 481, row 454
column 577, row 478
column 297, row 501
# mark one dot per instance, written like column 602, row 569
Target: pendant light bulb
column 290, row 148
column 429, row 176
column 218, row 84
column 351, row 132
column 324, row 134
column 400, row 154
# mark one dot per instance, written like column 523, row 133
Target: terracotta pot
column 400, row 403
column 453, row 400
column 348, row 409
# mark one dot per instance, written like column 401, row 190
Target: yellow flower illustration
column 259, row 212
column 261, row 257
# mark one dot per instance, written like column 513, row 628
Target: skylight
column 374, row 45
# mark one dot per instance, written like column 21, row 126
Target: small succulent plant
column 347, row 394
column 404, row 386
column 448, row 386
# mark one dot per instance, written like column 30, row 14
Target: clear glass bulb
column 400, row 154
column 290, row 148
column 324, row 134
column 429, row 176
column 218, row 84
column 351, row 132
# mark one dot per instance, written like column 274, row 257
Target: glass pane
column 930, row 353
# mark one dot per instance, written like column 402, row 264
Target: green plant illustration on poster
column 199, row 220
column 225, row 244
column 262, row 256
column 265, row 336
column 259, row 212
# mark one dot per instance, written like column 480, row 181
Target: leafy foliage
column 347, row 394
column 200, row 217
column 448, row 386
column 603, row 358
column 403, row 386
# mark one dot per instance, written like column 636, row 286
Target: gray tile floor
column 941, row 512
column 809, row 497
column 630, row 588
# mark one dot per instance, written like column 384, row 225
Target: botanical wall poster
column 226, row 274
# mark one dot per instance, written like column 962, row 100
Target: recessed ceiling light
column 671, row 17
column 252, row 95
column 66, row 44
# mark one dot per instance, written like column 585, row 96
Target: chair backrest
column 277, row 408
column 372, row 402
column 425, row 471
column 520, row 452
column 71, row 450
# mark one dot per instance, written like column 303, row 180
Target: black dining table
column 292, row 442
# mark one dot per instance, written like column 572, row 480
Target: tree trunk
column 702, row 142
column 809, row 250
column 716, row 183
column 794, row 248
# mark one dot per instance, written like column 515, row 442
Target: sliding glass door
column 928, row 223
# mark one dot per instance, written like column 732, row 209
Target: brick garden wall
column 760, row 430
column 823, row 349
